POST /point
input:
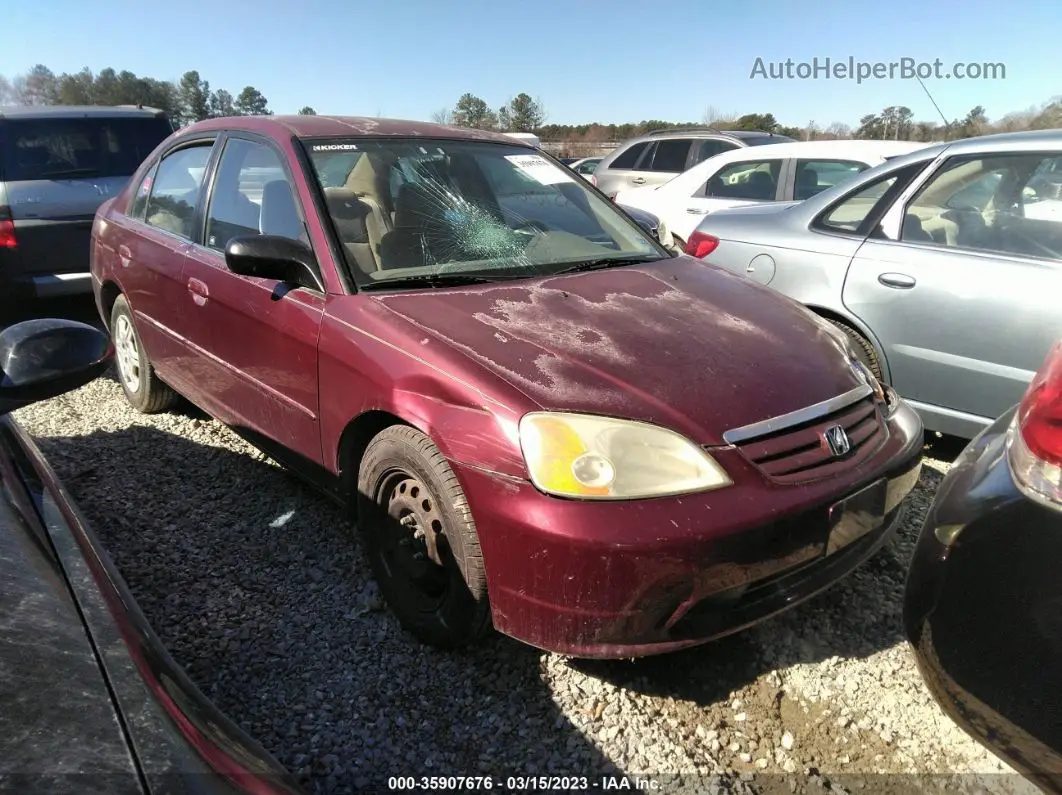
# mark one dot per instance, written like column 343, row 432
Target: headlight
column 579, row 455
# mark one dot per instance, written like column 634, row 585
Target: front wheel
column 421, row 539
column 143, row 389
column 863, row 349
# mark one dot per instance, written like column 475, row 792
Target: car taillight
column 7, row 229
column 1034, row 449
column 701, row 245
column 7, row 234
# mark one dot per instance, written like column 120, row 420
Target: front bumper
column 627, row 579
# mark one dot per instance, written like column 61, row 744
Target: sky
column 584, row 60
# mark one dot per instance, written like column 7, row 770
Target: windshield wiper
column 69, row 172
column 602, row 263
column 437, row 280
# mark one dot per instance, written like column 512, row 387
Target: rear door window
column 670, row 155
column 755, row 180
column 175, row 190
column 710, row 147
column 815, row 176
column 629, row 157
column 34, row 149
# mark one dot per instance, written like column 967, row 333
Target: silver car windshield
column 406, row 208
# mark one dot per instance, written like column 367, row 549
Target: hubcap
column 127, row 352
column 417, row 549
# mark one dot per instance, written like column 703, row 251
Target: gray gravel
column 259, row 589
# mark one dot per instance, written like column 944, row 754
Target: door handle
column 695, row 211
column 637, row 180
column 200, row 292
column 899, row 281
column 125, row 256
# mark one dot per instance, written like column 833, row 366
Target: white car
column 752, row 175
column 585, row 167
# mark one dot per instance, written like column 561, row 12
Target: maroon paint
column 677, row 342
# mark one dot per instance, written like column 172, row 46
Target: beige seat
column 350, row 214
column 369, row 182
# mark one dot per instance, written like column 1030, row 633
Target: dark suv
column 655, row 158
column 57, row 165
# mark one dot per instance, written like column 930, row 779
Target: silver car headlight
column 601, row 458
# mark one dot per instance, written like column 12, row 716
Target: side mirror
column 40, row 359
column 273, row 257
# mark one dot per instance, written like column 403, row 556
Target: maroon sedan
column 540, row 419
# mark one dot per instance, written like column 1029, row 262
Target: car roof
column 349, row 127
column 77, row 111
column 1000, row 142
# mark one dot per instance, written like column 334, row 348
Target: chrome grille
column 795, row 448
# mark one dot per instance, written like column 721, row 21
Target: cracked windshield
column 430, row 207
column 580, row 398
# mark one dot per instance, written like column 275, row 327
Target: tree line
column 191, row 99
column 187, row 100
column 523, row 114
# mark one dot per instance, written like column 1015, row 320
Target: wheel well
column 353, row 442
column 829, row 314
column 109, row 293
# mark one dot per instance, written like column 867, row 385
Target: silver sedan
column 943, row 265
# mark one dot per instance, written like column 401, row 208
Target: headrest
column 279, row 214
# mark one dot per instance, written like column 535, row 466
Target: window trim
column 885, row 203
column 209, row 139
column 151, row 171
column 210, row 180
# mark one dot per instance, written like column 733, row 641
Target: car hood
column 676, row 342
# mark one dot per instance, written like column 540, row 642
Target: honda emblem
column 836, row 440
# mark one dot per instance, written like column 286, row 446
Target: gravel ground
column 261, row 592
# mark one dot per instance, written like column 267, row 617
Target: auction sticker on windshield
column 539, row 169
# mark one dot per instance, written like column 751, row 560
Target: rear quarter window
column 44, row 148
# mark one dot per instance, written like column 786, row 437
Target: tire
column 143, row 389
column 421, row 539
column 864, row 350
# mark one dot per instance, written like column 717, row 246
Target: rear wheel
column 143, row 389
column 863, row 349
column 421, row 539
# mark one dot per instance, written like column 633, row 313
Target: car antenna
column 947, row 124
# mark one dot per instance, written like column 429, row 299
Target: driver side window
column 999, row 203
